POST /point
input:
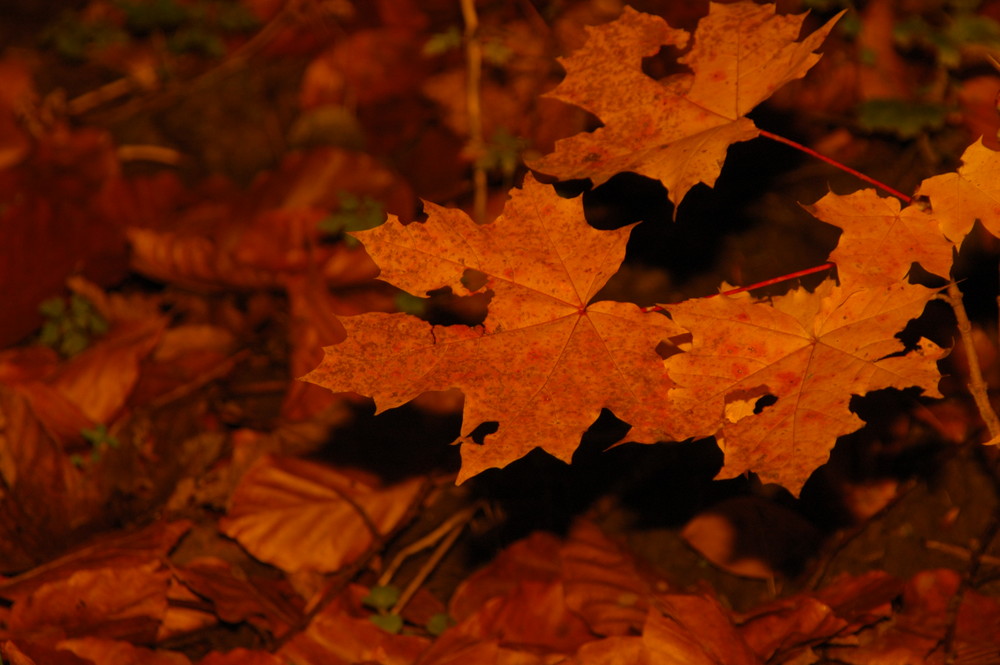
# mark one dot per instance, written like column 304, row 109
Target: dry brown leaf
column 115, row 652
column 343, row 633
column 113, row 603
column 299, row 515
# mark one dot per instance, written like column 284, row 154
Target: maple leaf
column 880, row 241
column 677, row 130
column 811, row 351
column 973, row 192
column 544, row 362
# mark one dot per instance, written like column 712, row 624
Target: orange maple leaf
column 544, row 362
column 811, row 351
column 973, row 192
column 880, row 241
column 677, row 130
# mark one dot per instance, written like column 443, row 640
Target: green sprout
column 382, row 599
column 356, row 213
column 70, row 326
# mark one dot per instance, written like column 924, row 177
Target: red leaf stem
column 843, row 167
column 750, row 287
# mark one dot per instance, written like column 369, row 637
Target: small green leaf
column 381, row 597
column 443, row 42
column 390, row 623
column 900, row 117
column 438, row 623
column 52, row 308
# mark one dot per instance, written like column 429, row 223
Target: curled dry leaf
column 299, row 515
column 677, row 130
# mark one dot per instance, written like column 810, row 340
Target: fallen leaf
column 343, row 633
column 300, row 515
column 114, row 603
column 100, row 650
column 532, row 364
column 677, row 130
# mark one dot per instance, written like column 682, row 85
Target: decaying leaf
column 298, row 515
column 677, row 130
column 544, row 362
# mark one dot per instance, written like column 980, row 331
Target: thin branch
column 473, row 107
column 833, row 162
column 977, row 385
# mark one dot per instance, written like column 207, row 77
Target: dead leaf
column 342, row 633
column 113, row 603
column 100, row 650
column 300, row 515
column 676, row 131
column 811, row 351
column 880, row 241
column 529, row 365
column 973, row 192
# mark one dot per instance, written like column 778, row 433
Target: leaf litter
column 243, row 517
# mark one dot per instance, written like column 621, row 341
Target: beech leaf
column 677, row 130
column 544, row 362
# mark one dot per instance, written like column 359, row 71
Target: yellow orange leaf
column 973, row 192
column 676, row 130
column 544, row 362
column 810, row 351
column 880, row 241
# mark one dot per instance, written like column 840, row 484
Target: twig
column 977, row 386
column 833, row 162
column 423, row 543
column 457, row 526
column 473, row 107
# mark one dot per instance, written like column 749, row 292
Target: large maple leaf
column 677, row 130
column 811, row 351
column 544, row 362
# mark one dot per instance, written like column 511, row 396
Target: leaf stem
column 977, row 385
column 751, row 287
column 843, row 167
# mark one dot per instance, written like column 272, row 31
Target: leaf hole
column 473, row 280
column 664, row 63
column 667, row 349
column 764, row 402
column 483, row 430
